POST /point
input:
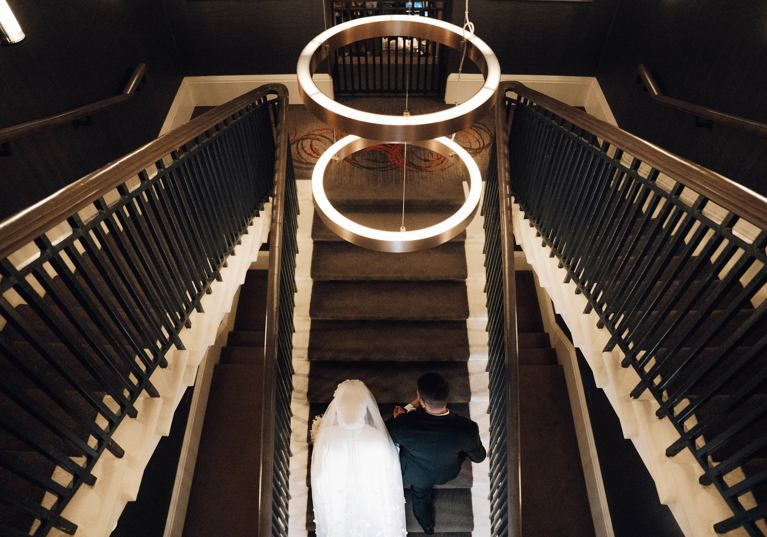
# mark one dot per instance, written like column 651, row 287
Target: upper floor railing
column 30, row 127
column 99, row 280
column 671, row 257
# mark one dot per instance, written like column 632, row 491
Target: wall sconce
column 9, row 26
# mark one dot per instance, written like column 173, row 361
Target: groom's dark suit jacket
column 432, row 448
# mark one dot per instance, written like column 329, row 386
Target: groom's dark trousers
column 432, row 449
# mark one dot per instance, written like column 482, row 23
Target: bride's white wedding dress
column 356, row 480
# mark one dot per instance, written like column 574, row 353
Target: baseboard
column 215, row 90
column 581, row 91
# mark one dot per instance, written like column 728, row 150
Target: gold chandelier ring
column 395, row 241
column 390, row 128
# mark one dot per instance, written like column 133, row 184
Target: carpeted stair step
column 528, row 312
column 23, row 488
column 79, row 427
column 242, row 355
column 390, row 382
column 734, row 440
column 537, row 356
column 533, row 339
column 389, row 341
column 656, row 324
column 71, row 365
column 346, row 184
column 669, row 364
column 245, row 338
column 345, row 261
column 452, row 511
column 251, row 306
column 551, row 465
column 225, row 479
column 425, row 301
column 385, row 220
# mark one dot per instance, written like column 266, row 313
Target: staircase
column 552, row 476
column 224, row 495
column 387, row 318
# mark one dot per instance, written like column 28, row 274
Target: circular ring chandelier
column 390, row 128
column 395, row 241
column 367, row 129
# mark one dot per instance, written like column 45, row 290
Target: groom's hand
column 398, row 410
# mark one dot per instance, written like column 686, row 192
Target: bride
column 356, row 479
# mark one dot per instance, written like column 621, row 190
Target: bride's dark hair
column 433, row 389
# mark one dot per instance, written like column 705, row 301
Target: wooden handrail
column 736, row 122
column 30, row 127
column 272, row 324
column 31, row 222
column 511, row 344
column 732, row 196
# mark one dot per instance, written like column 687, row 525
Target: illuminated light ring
column 389, row 128
column 395, row 241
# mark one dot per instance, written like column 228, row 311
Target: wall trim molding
column 193, row 91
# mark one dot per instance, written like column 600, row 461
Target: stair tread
column 527, row 340
column 384, row 219
column 251, row 306
column 242, row 355
column 389, row 300
column 389, row 340
column 224, row 435
column 537, row 356
column 245, row 338
column 345, row 261
column 59, row 413
column 549, row 451
column 452, row 511
column 392, row 382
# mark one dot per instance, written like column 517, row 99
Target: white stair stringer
column 299, row 423
column 96, row 509
column 476, row 326
column 696, row 508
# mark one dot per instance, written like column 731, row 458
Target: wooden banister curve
column 30, row 127
column 723, row 191
column 31, row 222
column 703, row 112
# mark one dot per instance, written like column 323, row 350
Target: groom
column 433, row 444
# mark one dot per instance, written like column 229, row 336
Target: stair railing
column 503, row 360
column 277, row 387
column 30, row 127
column 671, row 257
column 98, row 281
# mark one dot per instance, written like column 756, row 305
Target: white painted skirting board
column 97, row 509
column 695, row 507
column 214, row 90
column 582, row 91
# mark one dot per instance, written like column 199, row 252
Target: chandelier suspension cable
column 467, row 25
column 404, row 156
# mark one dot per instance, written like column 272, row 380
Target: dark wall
column 77, row 52
column 708, row 52
column 226, row 37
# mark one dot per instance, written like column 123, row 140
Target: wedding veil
column 355, row 473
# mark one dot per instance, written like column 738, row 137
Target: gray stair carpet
column 387, row 318
column 224, row 493
column 552, row 476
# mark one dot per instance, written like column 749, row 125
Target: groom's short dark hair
column 433, row 388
